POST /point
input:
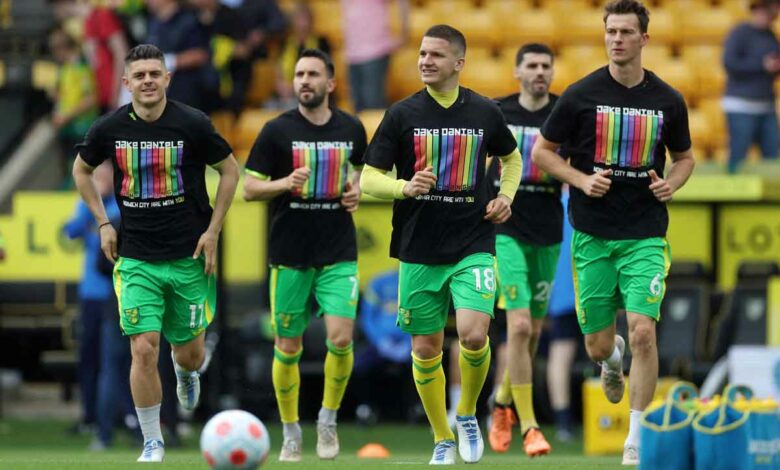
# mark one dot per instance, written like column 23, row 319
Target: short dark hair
column 143, row 52
column 449, row 34
column 323, row 56
column 626, row 7
column 533, row 48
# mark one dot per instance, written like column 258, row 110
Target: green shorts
column 424, row 291
column 174, row 297
column 335, row 288
column 525, row 274
column 613, row 274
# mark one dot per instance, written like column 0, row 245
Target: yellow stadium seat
column 712, row 110
column 262, row 85
column 420, row 19
column 585, row 58
column 488, row 77
column 528, row 26
column 247, row 129
column 223, row 123
column 679, row 75
column 477, row 24
column 404, row 77
column 564, row 75
column 702, row 134
column 580, row 25
column 738, row 9
column 663, row 27
column 705, row 26
column 707, row 62
column 655, row 54
column 44, row 75
column 371, row 119
column 327, row 20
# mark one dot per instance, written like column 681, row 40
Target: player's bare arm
column 82, row 175
column 228, row 180
column 257, row 188
column 421, row 183
column 351, row 197
column 679, row 172
column 545, row 157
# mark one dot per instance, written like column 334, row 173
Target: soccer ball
column 234, row 439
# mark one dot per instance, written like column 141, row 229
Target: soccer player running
column 617, row 123
column 301, row 163
column 443, row 231
column 527, row 248
column 166, row 252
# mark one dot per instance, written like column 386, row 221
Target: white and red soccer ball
column 234, row 439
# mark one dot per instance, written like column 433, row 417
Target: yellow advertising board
column 35, row 246
column 36, row 249
column 746, row 233
column 690, row 233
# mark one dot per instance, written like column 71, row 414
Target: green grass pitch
column 46, row 445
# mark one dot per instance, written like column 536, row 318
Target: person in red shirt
column 105, row 46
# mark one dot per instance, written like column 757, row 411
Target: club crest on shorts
column 131, row 315
column 405, row 315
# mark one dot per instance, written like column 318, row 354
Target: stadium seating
column 706, row 60
column 262, row 85
column 327, row 20
column 705, row 25
column 371, row 119
column 685, row 314
column 742, row 320
column 477, row 24
column 247, row 128
column 526, row 26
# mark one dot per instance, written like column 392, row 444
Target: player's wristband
column 103, row 224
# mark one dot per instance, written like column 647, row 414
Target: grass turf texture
column 47, row 445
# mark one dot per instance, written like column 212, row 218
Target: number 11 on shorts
column 196, row 311
column 484, row 277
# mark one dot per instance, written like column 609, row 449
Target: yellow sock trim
column 474, row 366
column 286, row 379
column 430, row 382
column 504, row 393
column 523, row 396
column 338, row 368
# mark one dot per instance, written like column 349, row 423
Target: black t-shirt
column 159, row 177
column 447, row 224
column 310, row 228
column 606, row 125
column 537, row 213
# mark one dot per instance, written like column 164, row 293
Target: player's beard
column 317, row 97
column 533, row 90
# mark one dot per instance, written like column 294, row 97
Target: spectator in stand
column 369, row 43
column 99, row 337
column 231, row 49
column 301, row 36
column 105, row 47
column 266, row 22
column 185, row 43
column 75, row 100
column 752, row 60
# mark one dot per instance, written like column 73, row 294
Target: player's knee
column 288, row 345
column 192, row 359
column 473, row 340
column 519, row 328
column 642, row 339
column 340, row 339
column 425, row 350
column 145, row 353
column 598, row 349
